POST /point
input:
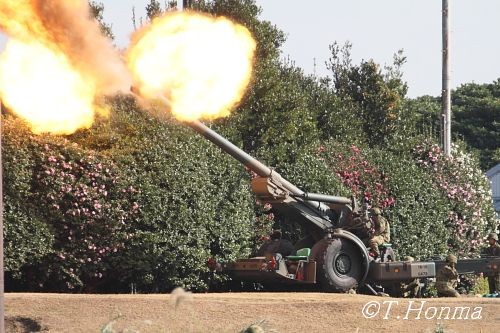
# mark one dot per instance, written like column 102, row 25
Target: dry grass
column 229, row 312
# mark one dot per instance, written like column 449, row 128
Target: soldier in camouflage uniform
column 382, row 233
column 411, row 288
column 276, row 245
column 493, row 250
column 447, row 278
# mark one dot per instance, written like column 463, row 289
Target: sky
column 377, row 30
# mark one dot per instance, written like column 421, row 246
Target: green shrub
column 132, row 200
column 194, row 201
column 481, row 286
column 27, row 239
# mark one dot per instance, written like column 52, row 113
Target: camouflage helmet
column 409, row 258
column 376, row 211
column 451, row 258
column 493, row 235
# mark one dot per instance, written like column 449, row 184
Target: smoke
column 67, row 27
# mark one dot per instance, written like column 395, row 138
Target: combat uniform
column 282, row 246
column 447, row 279
column 493, row 250
column 409, row 288
column 276, row 245
column 382, row 233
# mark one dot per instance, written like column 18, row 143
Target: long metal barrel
column 326, row 198
column 227, row 146
column 255, row 165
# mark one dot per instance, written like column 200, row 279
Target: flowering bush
column 365, row 181
column 394, row 183
column 194, row 201
column 87, row 208
column 466, row 189
column 130, row 201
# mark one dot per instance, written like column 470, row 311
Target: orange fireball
column 201, row 65
column 55, row 64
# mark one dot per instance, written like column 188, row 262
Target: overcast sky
column 377, row 29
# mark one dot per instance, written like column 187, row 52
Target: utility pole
column 445, row 93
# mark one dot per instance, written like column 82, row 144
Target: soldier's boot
column 448, row 292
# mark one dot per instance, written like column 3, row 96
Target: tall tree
column 378, row 94
column 476, row 119
column 97, row 11
column 153, row 9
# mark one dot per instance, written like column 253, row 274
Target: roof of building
column 493, row 171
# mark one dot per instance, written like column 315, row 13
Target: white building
column 493, row 175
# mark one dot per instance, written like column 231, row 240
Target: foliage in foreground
column 148, row 205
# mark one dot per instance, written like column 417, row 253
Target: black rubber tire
column 340, row 265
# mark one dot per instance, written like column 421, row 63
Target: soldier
column 412, row 288
column 382, row 232
column 276, row 245
column 493, row 250
column 447, row 278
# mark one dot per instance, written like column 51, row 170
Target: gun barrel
column 326, row 198
column 227, row 146
column 244, row 158
column 264, row 171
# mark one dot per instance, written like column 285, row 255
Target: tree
column 276, row 110
column 379, row 96
column 97, row 11
column 426, row 110
column 153, row 9
column 466, row 189
column 476, row 119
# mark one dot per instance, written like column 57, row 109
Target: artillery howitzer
column 333, row 254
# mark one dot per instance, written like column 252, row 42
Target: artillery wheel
column 340, row 265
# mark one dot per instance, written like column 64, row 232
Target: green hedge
column 133, row 200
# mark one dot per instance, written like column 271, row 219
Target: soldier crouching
column 409, row 288
column 447, row 278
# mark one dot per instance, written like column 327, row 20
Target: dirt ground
column 233, row 312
